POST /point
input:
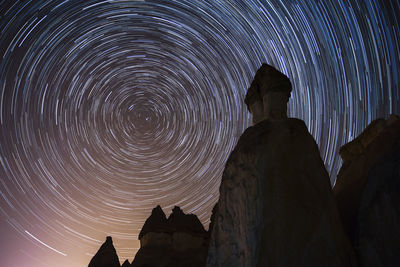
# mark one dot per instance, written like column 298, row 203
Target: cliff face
column 276, row 206
column 177, row 241
column 368, row 193
column 106, row 256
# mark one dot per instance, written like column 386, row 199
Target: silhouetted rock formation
column 157, row 222
column 268, row 94
column 126, row 264
column 276, row 206
column 177, row 241
column 367, row 191
column 181, row 222
column 106, row 256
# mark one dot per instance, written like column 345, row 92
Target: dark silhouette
column 106, row 256
column 177, row 241
column 367, row 192
column 276, row 205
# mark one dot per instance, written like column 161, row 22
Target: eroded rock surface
column 359, row 156
column 368, row 193
column 276, row 206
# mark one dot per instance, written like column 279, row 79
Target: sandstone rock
column 377, row 236
column 357, row 146
column 106, row 256
column 361, row 154
column 276, row 206
column 368, row 193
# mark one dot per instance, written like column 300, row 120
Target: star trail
column 109, row 108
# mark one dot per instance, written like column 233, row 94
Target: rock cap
column 267, row 79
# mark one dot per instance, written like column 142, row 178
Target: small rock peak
column 157, row 222
column 106, row 255
column 126, row 264
column 158, row 212
column 178, row 221
column 177, row 211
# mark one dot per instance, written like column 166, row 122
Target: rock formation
column 126, row 264
column 156, row 223
column 268, row 94
column 106, row 256
column 276, row 206
column 367, row 191
column 177, row 241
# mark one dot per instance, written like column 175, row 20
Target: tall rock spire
column 106, row 256
column 276, row 206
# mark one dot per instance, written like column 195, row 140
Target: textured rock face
column 377, row 237
column 276, row 206
column 359, row 156
column 368, row 193
column 155, row 239
column 356, row 147
column 177, row 241
column 106, row 256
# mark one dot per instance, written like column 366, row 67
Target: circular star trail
column 109, row 108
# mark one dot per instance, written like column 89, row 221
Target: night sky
column 108, row 108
